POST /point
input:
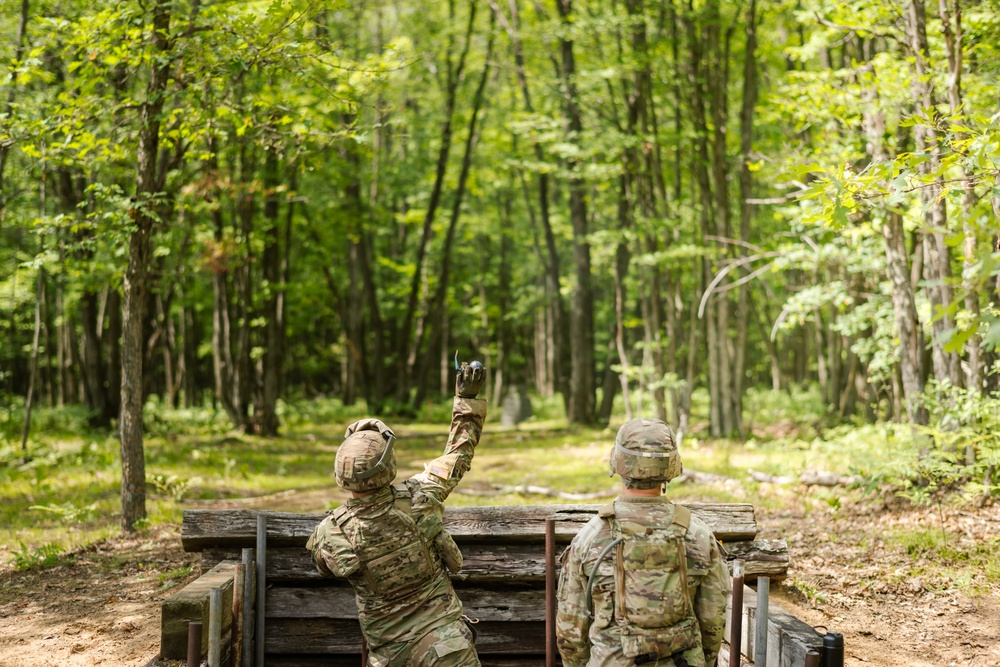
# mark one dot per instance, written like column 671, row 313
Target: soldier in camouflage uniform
column 643, row 582
column 388, row 539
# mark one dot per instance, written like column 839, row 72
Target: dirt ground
column 102, row 606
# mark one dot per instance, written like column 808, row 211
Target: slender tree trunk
column 133, row 461
column 266, row 421
column 454, row 77
column 746, row 192
column 581, row 404
column 33, row 372
column 903, row 301
column 9, row 106
column 946, row 364
column 951, row 24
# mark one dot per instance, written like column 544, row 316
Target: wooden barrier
column 313, row 620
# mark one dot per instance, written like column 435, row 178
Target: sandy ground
column 102, row 606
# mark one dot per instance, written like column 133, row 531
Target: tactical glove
column 469, row 380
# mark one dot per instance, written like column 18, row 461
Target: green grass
column 67, row 495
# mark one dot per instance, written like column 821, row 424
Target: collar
column 642, row 500
column 378, row 496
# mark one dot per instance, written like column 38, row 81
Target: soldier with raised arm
column 644, row 582
column 389, row 542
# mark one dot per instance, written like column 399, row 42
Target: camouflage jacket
column 595, row 639
column 422, row 597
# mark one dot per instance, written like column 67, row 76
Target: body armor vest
column 653, row 606
column 396, row 556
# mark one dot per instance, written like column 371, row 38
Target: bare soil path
column 101, row 607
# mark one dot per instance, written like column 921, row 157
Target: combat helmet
column 645, row 454
column 366, row 460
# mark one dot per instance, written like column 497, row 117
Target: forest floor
column 906, row 584
column 101, row 606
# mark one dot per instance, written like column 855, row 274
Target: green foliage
column 47, row 555
column 68, row 512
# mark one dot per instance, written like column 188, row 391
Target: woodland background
column 244, row 205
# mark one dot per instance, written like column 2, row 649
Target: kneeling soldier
column 388, row 539
column 644, row 581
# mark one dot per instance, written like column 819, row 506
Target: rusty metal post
column 236, row 632
column 194, row 644
column 812, row 658
column 364, row 651
column 261, row 586
column 760, row 621
column 736, row 616
column 550, row 593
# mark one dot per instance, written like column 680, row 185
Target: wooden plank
column 321, row 636
column 354, row 660
column 338, row 603
column 495, row 563
column 507, row 524
column 191, row 603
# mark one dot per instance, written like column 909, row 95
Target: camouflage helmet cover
column 645, row 454
column 366, row 460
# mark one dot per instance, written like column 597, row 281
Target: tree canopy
column 239, row 203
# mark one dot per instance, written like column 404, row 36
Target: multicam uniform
column 392, row 548
column 644, row 602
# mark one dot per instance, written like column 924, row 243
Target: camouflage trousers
column 447, row 646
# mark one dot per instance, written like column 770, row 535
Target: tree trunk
column 946, row 364
column 951, row 23
column 746, row 192
column 133, row 462
column 581, row 404
column 266, row 418
column 454, row 77
column 5, row 146
column 33, row 371
column 903, row 301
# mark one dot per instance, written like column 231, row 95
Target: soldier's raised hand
column 469, row 379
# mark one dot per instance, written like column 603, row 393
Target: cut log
column 237, row 528
column 487, row 564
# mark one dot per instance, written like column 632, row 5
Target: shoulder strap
column 682, row 517
column 340, row 515
column 403, row 497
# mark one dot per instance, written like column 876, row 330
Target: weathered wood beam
column 354, row 660
column 494, row 563
column 488, row 605
column 507, row 524
column 338, row 636
column 191, row 603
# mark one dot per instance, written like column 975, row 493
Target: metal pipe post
column 249, row 595
column 261, row 586
column 364, row 651
column 550, row 593
column 215, row 628
column 760, row 637
column 812, row 658
column 194, row 644
column 736, row 616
